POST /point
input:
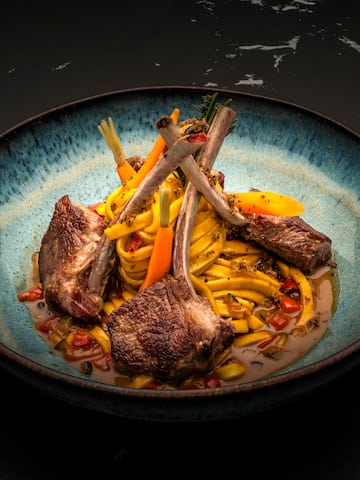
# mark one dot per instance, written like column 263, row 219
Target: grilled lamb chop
column 167, row 330
column 291, row 238
column 67, row 251
column 76, row 258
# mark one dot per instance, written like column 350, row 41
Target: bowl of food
column 179, row 254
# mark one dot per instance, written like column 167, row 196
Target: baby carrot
column 152, row 157
column 268, row 203
column 161, row 255
column 123, row 167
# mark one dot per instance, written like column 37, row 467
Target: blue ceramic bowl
column 275, row 146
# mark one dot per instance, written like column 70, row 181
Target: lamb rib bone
column 184, row 146
column 206, row 159
column 192, row 169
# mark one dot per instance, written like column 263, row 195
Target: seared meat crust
column 66, row 254
column 291, row 238
column 164, row 332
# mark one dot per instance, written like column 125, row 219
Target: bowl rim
column 9, row 358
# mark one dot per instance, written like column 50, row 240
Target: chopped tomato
column 81, row 338
column 278, row 320
column 289, row 304
column 31, row 294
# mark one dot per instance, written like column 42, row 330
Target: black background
column 303, row 52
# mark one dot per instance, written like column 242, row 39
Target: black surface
column 303, row 52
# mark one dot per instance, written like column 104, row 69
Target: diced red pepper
column 48, row 325
column 94, row 207
column 81, row 353
column 212, row 381
column 278, row 320
column 103, row 362
column 135, row 243
column 289, row 285
column 153, row 385
column 289, row 304
column 30, row 295
column 267, row 342
column 81, row 338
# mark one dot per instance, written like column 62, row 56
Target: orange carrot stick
column 268, row 203
column 152, row 157
column 123, row 167
column 161, row 255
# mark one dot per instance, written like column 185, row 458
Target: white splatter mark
column 211, row 84
column 11, row 70
column 157, row 64
column 286, row 8
column 305, row 2
column 193, row 20
column 230, row 55
column 302, row 6
column 61, row 67
column 292, row 44
column 278, row 59
column 351, row 43
column 207, row 71
column 250, row 81
column 209, row 6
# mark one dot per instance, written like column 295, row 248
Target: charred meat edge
column 290, row 238
column 167, row 330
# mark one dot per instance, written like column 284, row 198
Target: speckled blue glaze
column 274, row 146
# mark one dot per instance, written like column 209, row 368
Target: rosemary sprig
column 209, row 106
column 207, row 110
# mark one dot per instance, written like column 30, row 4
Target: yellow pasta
column 125, row 228
column 202, row 289
column 254, row 296
column 251, row 283
column 238, row 247
column 222, row 270
column 306, row 295
column 139, row 254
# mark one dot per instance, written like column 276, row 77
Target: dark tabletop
column 306, row 52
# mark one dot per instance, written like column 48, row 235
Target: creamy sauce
column 299, row 340
column 297, row 343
